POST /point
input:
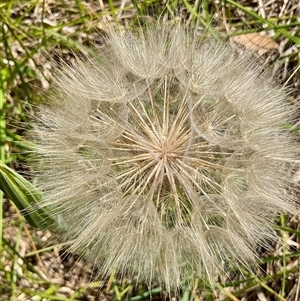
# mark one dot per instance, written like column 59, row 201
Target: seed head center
column 167, row 151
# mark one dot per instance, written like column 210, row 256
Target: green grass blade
column 265, row 21
column 2, row 138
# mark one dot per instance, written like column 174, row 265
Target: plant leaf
column 26, row 197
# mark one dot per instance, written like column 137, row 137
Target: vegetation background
column 33, row 266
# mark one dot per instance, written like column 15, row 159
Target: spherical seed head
column 167, row 158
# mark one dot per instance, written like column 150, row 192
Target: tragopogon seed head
column 167, row 158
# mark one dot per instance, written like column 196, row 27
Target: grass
column 33, row 265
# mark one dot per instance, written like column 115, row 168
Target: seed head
column 167, row 158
